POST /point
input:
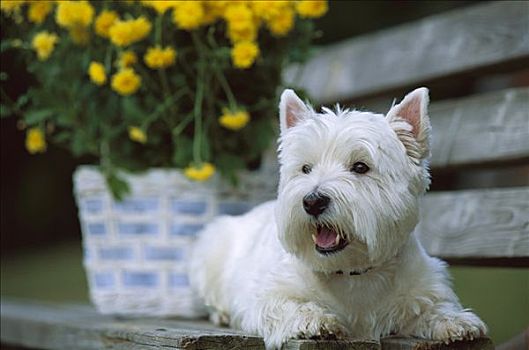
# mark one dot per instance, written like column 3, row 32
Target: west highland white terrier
column 335, row 256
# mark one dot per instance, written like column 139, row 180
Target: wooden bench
column 472, row 134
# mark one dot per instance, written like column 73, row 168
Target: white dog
column 335, row 255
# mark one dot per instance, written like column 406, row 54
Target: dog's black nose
column 315, row 203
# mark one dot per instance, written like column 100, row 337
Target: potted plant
column 183, row 89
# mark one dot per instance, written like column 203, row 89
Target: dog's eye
column 306, row 169
column 360, row 168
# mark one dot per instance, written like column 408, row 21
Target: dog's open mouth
column 328, row 240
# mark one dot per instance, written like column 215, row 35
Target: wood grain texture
column 397, row 343
column 42, row 326
column 451, row 43
column 487, row 223
column 481, row 129
column 58, row 326
column 332, row 345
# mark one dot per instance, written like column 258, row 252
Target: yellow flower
column 234, row 120
column 127, row 59
column 201, row 172
column 74, row 13
column 136, row 134
column 124, row 33
column 268, row 9
column 160, row 6
column 97, row 74
column 157, row 58
column 126, row 82
column 104, row 21
column 188, row 15
column 38, row 11
column 44, row 43
column 243, row 54
column 311, row 8
column 242, row 26
column 281, row 23
column 35, row 141
column 244, row 31
column 10, row 6
column 213, row 10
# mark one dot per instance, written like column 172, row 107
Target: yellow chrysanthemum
column 312, row 8
column 282, row 23
column 189, row 15
column 213, row 10
column 97, row 74
column 126, row 82
column 234, row 120
column 44, row 43
column 127, row 59
column 160, row 6
column 137, row 135
column 268, row 9
column 10, row 6
column 243, row 54
column 158, row 58
column 104, row 21
column 242, row 26
column 246, row 31
column 201, row 172
column 35, row 141
column 124, row 33
column 39, row 10
column 74, row 14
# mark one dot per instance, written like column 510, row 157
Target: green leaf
column 118, row 187
column 36, row 116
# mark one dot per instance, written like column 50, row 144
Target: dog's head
column 350, row 181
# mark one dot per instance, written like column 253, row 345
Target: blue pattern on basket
column 139, row 228
column 116, row 253
column 178, row 280
column 163, row 253
column 92, row 205
column 140, row 279
column 189, row 207
column 96, row 228
column 137, row 205
column 234, row 208
column 187, row 230
column 104, row 279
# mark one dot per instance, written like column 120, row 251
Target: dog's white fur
column 260, row 272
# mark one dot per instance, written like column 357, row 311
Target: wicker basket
column 135, row 251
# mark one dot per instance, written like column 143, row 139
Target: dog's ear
column 291, row 110
column 410, row 121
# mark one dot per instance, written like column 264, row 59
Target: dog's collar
column 354, row 273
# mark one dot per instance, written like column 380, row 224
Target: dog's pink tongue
column 326, row 238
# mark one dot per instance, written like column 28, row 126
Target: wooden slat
column 396, row 343
column 481, row 129
column 43, row 326
column 487, row 223
column 462, row 40
column 53, row 326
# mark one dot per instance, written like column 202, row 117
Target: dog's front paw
column 309, row 321
column 463, row 325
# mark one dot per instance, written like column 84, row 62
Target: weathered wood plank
column 447, row 44
column 487, row 223
column 397, row 343
column 481, row 129
column 53, row 326
column 43, row 326
column 332, row 345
